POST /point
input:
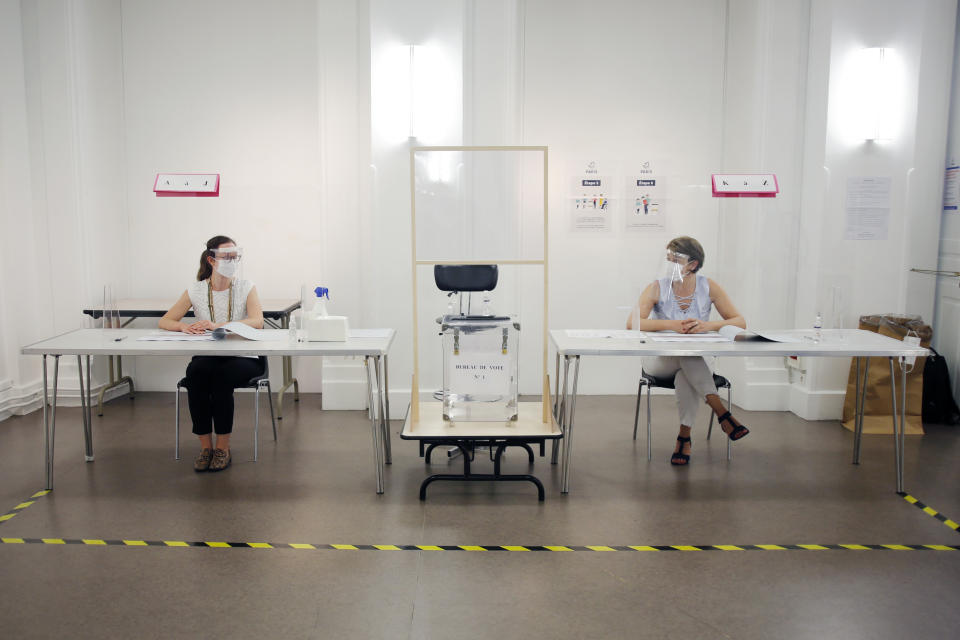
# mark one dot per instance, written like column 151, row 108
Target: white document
column 868, row 208
column 368, row 333
column 176, row 336
column 250, row 333
column 607, row 333
column 669, row 336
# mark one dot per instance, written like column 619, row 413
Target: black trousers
column 210, row 384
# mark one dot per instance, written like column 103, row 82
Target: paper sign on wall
column 868, row 208
column 644, row 203
column 951, row 190
column 591, row 205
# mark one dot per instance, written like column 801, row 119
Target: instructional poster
column 951, row 190
column 591, row 203
column 644, row 203
column 868, row 208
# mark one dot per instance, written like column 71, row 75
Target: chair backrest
column 465, row 277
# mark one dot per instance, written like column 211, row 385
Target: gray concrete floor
column 790, row 482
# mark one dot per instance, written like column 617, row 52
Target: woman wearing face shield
column 681, row 300
column 217, row 297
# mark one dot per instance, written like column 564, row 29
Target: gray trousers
column 693, row 381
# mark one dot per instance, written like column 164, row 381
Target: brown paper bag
column 877, row 417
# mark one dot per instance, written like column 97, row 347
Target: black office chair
column 649, row 381
column 258, row 382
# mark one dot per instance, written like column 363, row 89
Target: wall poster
column 644, row 203
column 591, row 203
column 868, row 208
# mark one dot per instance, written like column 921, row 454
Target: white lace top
column 200, row 302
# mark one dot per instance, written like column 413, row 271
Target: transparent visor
column 227, row 261
column 675, row 266
column 227, row 253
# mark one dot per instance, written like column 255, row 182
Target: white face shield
column 675, row 267
column 227, row 261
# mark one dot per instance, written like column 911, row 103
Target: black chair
column 649, row 381
column 257, row 383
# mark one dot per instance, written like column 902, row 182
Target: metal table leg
column 115, row 381
column 898, row 433
column 85, row 417
column 50, row 420
column 562, row 408
column 568, row 430
column 374, row 423
column 288, row 378
column 385, row 412
column 859, row 404
column 555, row 447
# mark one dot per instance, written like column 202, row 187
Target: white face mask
column 227, row 268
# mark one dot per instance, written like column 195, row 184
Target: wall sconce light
column 415, row 93
column 875, row 93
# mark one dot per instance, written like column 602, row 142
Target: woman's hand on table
column 693, row 325
column 200, row 326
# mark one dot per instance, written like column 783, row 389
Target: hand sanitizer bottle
column 322, row 327
column 818, row 328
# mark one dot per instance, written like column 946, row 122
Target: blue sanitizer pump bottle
column 322, row 327
column 320, row 306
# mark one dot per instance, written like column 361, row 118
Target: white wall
column 874, row 275
column 287, row 101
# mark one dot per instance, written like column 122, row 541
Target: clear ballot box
column 480, row 360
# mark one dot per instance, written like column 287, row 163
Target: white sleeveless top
column 201, row 303
column 667, row 307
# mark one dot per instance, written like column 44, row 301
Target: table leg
column 562, row 409
column 555, row 446
column 288, row 378
column 90, row 405
column 897, row 453
column 568, row 430
column 384, row 411
column 859, row 404
column 115, row 381
column 903, row 425
column 50, row 426
column 374, row 424
column 48, row 484
column 84, row 417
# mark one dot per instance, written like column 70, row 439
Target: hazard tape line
column 931, row 512
column 428, row 547
column 23, row 505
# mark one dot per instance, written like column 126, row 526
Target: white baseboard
column 19, row 401
column 816, row 405
column 761, row 396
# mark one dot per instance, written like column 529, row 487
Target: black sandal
column 738, row 430
column 683, row 458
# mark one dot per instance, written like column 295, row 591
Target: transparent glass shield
column 479, row 203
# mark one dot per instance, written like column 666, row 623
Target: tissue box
column 327, row 329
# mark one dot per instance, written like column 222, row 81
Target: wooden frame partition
column 415, row 385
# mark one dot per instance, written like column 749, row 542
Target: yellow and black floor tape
column 931, row 512
column 465, row 547
column 428, row 547
column 23, row 505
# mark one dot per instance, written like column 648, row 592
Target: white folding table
column 83, row 343
column 854, row 343
column 274, row 310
